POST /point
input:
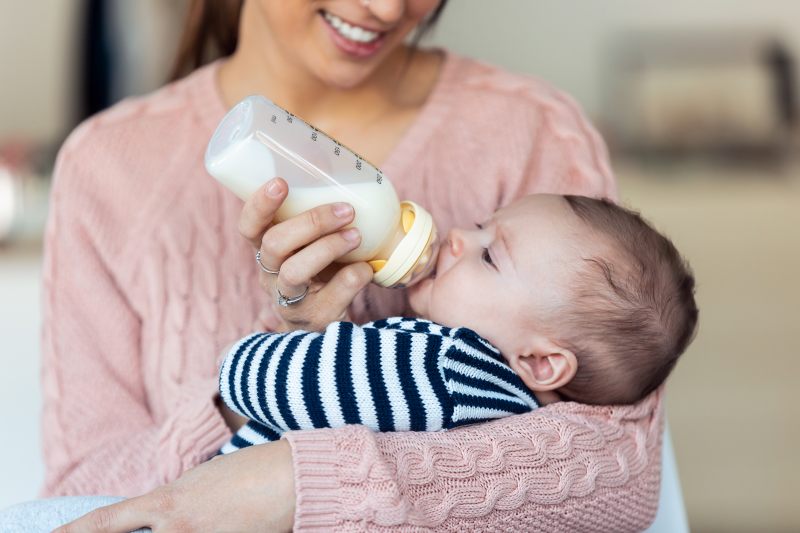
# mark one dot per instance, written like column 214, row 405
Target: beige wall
column 567, row 41
column 39, row 50
column 36, row 54
column 563, row 41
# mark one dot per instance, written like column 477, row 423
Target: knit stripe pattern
column 395, row 374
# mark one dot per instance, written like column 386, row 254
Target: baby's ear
column 544, row 366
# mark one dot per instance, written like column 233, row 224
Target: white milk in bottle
column 257, row 140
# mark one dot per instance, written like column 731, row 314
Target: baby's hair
column 633, row 311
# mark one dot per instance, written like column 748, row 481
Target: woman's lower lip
column 351, row 48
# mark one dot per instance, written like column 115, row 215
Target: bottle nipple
column 411, row 260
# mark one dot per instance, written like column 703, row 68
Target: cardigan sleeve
column 91, row 361
column 565, row 153
column 565, row 467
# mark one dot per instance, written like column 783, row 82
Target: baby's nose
column 455, row 240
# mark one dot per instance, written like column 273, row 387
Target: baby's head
column 581, row 296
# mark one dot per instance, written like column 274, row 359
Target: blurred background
column 698, row 102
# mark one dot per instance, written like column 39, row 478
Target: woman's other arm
column 566, row 467
column 250, row 490
column 99, row 434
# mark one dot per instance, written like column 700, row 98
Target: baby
column 554, row 298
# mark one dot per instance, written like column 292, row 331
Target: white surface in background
column 21, row 467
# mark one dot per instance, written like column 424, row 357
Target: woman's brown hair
column 211, row 30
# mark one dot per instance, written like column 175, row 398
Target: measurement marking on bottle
column 338, row 147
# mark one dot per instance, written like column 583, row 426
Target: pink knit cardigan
column 146, row 280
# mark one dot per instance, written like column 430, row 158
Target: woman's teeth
column 348, row 31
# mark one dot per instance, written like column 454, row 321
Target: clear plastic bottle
column 258, row 140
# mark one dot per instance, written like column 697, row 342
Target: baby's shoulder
column 473, row 344
column 413, row 325
column 460, row 338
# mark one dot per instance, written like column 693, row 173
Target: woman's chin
column 346, row 77
column 347, row 73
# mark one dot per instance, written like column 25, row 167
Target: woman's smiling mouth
column 351, row 39
column 350, row 31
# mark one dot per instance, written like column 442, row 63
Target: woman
column 147, row 279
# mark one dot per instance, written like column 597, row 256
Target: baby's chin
column 419, row 298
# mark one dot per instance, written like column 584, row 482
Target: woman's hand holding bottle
column 302, row 250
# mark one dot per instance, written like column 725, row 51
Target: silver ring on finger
column 264, row 268
column 286, row 301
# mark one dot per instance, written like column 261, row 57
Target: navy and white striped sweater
column 396, row 374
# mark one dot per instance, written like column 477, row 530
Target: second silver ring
column 264, row 268
column 286, row 301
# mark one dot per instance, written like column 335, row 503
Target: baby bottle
column 257, row 140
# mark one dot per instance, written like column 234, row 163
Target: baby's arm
column 391, row 375
column 380, row 376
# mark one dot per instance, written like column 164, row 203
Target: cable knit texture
column 146, row 280
column 580, row 469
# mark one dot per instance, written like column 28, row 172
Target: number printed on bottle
column 313, row 135
column 358, row 164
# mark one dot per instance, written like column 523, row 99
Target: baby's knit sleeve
column 385, row 378
column 480, row 383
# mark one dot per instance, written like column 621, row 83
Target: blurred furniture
column 702, row 92
column 25, row 168
column 127, row 49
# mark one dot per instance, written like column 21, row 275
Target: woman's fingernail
column 350, row 235
column 342, row 210
column 274, row 187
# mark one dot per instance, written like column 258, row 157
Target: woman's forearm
column 100, row 433
column 561, row 467
column 251, row 490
